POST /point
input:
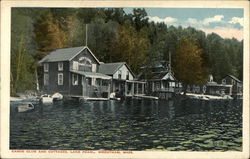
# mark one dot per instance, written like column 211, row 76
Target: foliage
column 48, row 33
column 188, row 62
column 115, row 36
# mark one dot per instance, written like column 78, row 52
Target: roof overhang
column 91, row 74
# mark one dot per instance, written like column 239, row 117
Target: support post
column 137, row 88
column 143, row 88
column 132, row 88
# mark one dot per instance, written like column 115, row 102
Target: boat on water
column 46, row 98
column 24, row 107
column 57, row 97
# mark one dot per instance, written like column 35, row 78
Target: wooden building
column 160, row 80
column 123, row 79
column 237, row 87
column 74, row 72
column 210, row 88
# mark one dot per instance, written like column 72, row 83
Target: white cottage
column 123, row 79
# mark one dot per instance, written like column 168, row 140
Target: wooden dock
column 146, row 97
column 79, row 98
column 95, row 99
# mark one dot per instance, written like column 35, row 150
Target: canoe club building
column 76, row 72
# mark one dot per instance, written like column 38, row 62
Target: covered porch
column 94, row 85
column 218, row 89
column 163, row 86
column 128, row 87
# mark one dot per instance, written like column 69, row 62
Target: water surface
column 187, row 125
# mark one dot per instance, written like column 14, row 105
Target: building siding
column 87, row 54
column 53, row 86
column 124, row 70
column 75, row 89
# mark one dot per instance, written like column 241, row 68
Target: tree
column 140, row 18
column 22, row 51
column 188, row 66
column 48, row 33
column 131, row 46
column 100, row 37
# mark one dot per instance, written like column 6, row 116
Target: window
column 60, row 66
column 127, row 76
column 74, row 79
column 46, row 67
column 224, row 81
column 75, row 65
column 106, row 83
column 98, row 82
column 46, row 79
column 83, row 80
column 60, row 79
column 93, row 67
column 157, row 85
column 233, row 82
column 119, row 74
column 89, row 81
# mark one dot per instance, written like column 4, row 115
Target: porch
column 164, row 86
column 128, row 87
column 94, row 85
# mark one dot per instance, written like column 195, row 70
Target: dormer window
column 120, row 74
column 60, row 66
column 46, row 67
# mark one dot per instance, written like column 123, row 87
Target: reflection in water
column 132, row 124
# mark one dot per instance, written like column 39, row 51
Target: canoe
column 24, row 107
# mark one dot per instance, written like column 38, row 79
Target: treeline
column 113, row 36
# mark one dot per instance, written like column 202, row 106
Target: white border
column 5, row 76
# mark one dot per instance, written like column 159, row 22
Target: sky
column 227, row 22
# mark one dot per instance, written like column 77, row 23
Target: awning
column 91, row 74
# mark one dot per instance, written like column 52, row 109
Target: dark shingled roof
column 63, row 54
column 110, row 68
column 154, row 75
column 236, row 79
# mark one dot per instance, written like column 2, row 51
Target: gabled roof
column 231, row 76
column 111, row 68
column 169, row 76
column 164, row 75
column 65, row 54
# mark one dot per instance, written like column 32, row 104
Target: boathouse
column 74, row 72
column 123, row 79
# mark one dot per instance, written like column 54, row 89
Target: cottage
column 74, row 72
column 210, row 88
column 160, row 80
column 123, row 79
column 236, row 84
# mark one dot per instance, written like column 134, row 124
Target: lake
column 132, row 124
